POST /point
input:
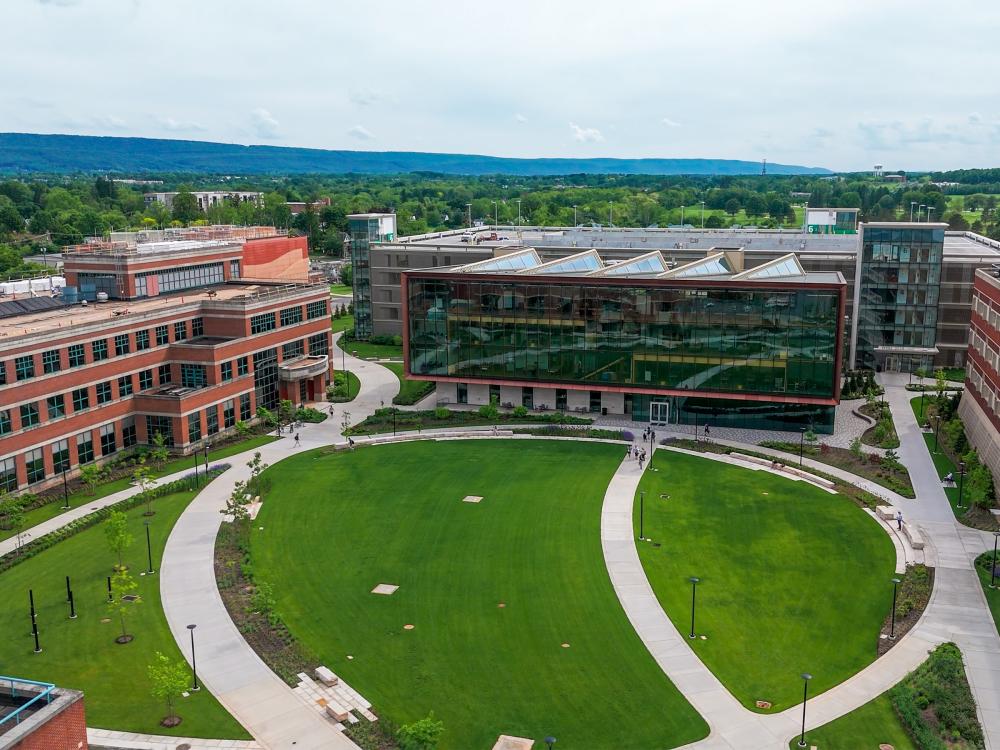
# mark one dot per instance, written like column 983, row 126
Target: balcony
column 306, row 366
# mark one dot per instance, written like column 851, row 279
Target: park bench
column 913, row 534
column 336, row 711
column 324, row 675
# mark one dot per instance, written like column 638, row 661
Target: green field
column 942, row 464
column 52, row 509
column 341, row 290
column 793, row 578
column 864, row 728
column 337, row 525
column 366, row 350
column 342, row 324
column 82, row 653
column 410, row 391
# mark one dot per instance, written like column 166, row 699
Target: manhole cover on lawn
column 472, row 499
column 130, row 597
column 385, row 589
column 501, row 605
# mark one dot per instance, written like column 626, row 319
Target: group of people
column 649, row 435
column 637, row 453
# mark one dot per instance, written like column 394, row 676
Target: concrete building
column 980, row 405
column 40, row 716
column 207, row 198
column 711, row 341
column 383, row 260
column 179, row 338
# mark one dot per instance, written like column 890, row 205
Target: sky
column 844, row 85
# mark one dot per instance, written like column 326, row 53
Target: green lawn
column 342, row 290
column 52, row 509
column 795, row 580
column 992, row 595
column 366, row 350
column 337, row 525
column 82, row 653
column 864, row 728
column 410, row 391
column 342, row 324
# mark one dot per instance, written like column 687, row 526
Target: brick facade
column 60, row 726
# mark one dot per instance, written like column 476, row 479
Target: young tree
column 91, row 475
column 122, row 585
column 117, row 534
column 160, row 452
column 286, row 411
column 236, row 505
column 422, row 734
column 940, row 383
column 266, row 418
column 169, row 680
column 257, row 467
column 142, row 479
column 921, row 374
column 12, row 515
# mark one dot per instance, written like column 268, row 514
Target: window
column 5, row 424
column 198, row 327
column 180, row 330
column 292, row 349
column 3, row 373
column 212, row 420
column 187, row 277
column 163, row 374
column 319, row 344
column 128, row 432
column 261, row 323
column 108, row 440
column 84, row 448
column 60, row 456
column 50, row 361
column 145, row 380
column 81, row 399
column 194, row 427
column 234, row 269
column 103, row 392
column 242, row 366
column 55, row 406
column 141, row 340
column 162, row 426
column 265, row 378
column 121, row 344
column 227, row 371
column 193, row 376
column 229, row 413
column 245, row 413
column 76, row 356
column 8, row 475
column 291, row 315
column 162, row 335
column 317, row 310
column 34, row 462
column 24, row 367
column 124, row 386
column 29, row 415
column 99, row 349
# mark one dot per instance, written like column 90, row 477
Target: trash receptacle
column 604, row 411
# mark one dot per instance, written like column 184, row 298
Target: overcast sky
column 844, row 84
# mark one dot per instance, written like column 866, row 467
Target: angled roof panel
column 650, row 264
column 711, row 265
column 585, row 262
column 780, row 268
column 522, row 260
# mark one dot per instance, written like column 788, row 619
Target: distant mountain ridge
column 30, row 152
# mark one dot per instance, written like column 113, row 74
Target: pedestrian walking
column 899, row 520
column 296, row 440
column 641, row 458
column 331, row 410
column 707, row 432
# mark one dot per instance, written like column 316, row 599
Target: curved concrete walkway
column 242, row 682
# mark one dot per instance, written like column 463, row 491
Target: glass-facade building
column 897, row 282
column 753, row 353
column 364, row 230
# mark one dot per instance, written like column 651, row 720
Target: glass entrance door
column 659, row 412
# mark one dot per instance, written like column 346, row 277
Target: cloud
column 264, row 124
column 586, row 135
column 520, row 118
column 365, row 97
column 670, row 123
column 180, row 126
column 99, row 123
column 361, row 133
column 895, row 135
column 59, row 3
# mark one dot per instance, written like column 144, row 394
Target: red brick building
column 40, row 716
column 181, row 338
column 980, row 405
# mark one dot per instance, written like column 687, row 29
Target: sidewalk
column 98, row 738
column 249, row 690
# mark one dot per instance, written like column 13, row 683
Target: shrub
column 520, row 412
column 441, row 413
column 487, row 411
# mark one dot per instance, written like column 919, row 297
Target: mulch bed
column 918, row 592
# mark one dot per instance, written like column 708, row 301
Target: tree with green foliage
column 159, row 453
column 91, row 475
column 257, row 468
column 347, row 275
column 168, row 679
column 185, row 207
column 12, row 515
column 422, row 734
column 117, row 535
column 122, row 586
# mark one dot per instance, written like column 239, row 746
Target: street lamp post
column 961, row 482
column 694, row 586
column 993, row 567
column 197, row 479
column 696, row 427
column 519, row 212
column 575, row 222
column 920, row 208
column 805, row 694
column 929, row 209
column 149, row 550
column 912, row 204
column 194, row 668
column 611, row 214
column 642, row 503
column 703, row 214
column 802, row 441
column 65, row 486
column 892, row 619
column 682, row 215
column 937, row 424
column 496, row 213
column 923, row 394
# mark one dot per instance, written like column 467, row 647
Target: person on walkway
column 296, row 440
column 707, row 431
column 350, row 443
column 641, row 459
column 652, row 436
column 331, row 410
column 899, row 520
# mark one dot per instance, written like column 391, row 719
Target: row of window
column 987, row 390
column 26, row 367
column 985, row 349
column 211, row 417
column 288, row 316
column 987, row 311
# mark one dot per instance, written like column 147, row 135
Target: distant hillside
column 27, row 152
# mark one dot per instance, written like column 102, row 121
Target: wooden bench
column 325, row 676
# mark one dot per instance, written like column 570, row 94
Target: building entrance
column 659, row 412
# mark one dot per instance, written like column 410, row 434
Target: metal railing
column 46, row 693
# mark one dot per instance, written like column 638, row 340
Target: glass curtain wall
column 363, row 232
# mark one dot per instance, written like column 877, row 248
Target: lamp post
column 802, row 441
column 694, row 586
column 65, row 486
column 805, row 694
column 919, row 209
column 912, row 204
column 611, row 214
column 149, row 550
column 937, row 424
column 550, row 741
column 575, row 223
column 929, row 209
column 702, row 214
column 682, row 215
column 197, row 478
column 343, row 369
column 206, row 461
column 194, row 668
column 496, row 213
column 642, row 503
column 892, row 619
column 923, row 394
column 993, row 567
column 961, row 482
column 519, row 212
